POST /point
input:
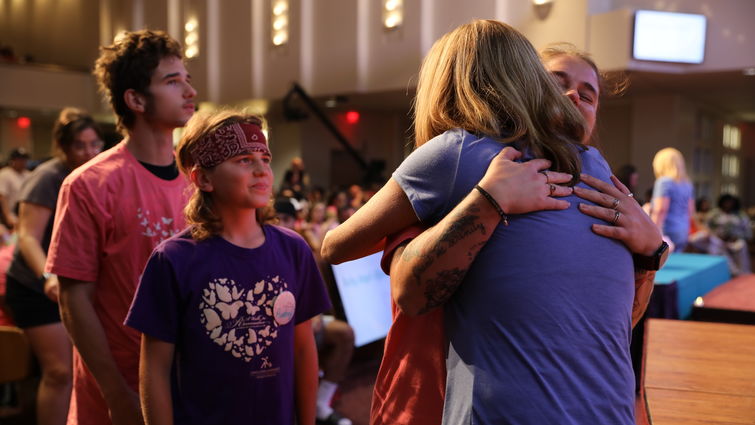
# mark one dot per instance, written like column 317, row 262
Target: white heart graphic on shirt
column 241, row 320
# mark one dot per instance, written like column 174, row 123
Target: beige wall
column 340, row 47
column 35, row 87
column 631, row 130
column 378, row 135
column 58, row 32
column 729, row 34
column 748, row 153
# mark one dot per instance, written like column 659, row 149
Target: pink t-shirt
column 111, row 213
column 410, row 385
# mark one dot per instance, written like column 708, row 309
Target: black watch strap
column 652, row 262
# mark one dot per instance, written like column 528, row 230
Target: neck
column 240, row 227
column 151, row 144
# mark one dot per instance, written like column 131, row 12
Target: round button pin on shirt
column 284, row 307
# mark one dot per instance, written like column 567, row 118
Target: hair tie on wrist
column 495, row 205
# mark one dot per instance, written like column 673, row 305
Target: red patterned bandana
column 227, row 142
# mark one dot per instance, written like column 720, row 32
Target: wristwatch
column 651, row 262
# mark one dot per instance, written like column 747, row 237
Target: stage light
column 192, row 38
column 352, row 117
column 23, row 122
column 279, row 19
column 393, row 14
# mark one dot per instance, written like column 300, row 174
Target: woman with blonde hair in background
column 673, row 200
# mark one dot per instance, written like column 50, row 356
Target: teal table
column 682, row 279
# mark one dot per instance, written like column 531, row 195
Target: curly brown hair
column 129, row 64
column 199, row 211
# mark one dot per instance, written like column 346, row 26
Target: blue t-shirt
column 539, row 330
column 220, row 304
column 676, row 224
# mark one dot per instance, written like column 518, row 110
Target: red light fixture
column 352, row 117
column 23, row 122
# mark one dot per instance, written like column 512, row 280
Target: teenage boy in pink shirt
column 111, row 213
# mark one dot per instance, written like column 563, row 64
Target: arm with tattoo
column 433, row 265
column 430, row 268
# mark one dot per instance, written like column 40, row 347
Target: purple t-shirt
column 539, row 330
column 231, row 312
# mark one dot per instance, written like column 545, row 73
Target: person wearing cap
column 111, row 212
column 11, row 178
column 285, row 211
column 226, row 306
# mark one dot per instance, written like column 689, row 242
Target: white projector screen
column 669, row 37
column 366, row 297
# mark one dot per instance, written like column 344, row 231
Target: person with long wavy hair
column 225, row 307
column 527, row 341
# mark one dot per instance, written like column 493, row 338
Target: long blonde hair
column 199, row 211
column 486, row 78
column 669, row 162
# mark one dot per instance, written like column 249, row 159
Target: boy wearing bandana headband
column 225, row 307
column 111, row 213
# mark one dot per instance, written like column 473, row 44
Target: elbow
column 408, row 304
column 328, row 250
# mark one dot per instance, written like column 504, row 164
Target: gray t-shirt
column 539, row 330
column 40, row 188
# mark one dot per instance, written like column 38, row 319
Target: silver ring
column 615, row 203
column 545, row 173
column 630, row 194
column 552, row 188
column 616, row 218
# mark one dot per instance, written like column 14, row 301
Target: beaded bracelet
column 493, row 202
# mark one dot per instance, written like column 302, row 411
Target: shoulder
column 590, row 155
column 5, row 177
column 594, row 163
column 284, row 236
column 287, row 241
column 105, row 169
column 446, row 150
column 458, row 138
column 441, row 143
column 180, row 244
column 664, row 181
column 52, row 167
column 179, row 241
column 51, row 172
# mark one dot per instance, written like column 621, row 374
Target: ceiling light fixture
column 279, row 26
column 393, row 14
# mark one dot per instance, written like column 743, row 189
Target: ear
column 135, row 101
column 200, row 179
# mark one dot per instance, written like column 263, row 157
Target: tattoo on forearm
column 440, row 287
